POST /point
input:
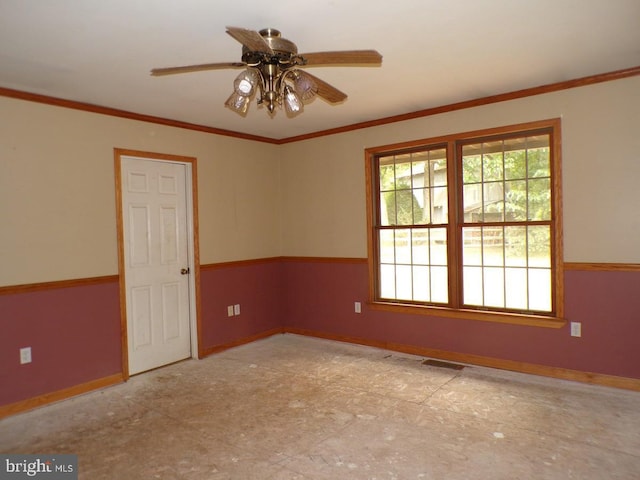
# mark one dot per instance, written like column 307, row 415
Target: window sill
column 499, row 317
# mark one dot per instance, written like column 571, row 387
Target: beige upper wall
column 323, row 197
column 256, row 200
column 57, row 191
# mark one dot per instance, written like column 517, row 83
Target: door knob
column 184, row 271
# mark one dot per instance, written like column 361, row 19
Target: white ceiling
column 435, row 52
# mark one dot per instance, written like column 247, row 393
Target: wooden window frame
column 455, row 309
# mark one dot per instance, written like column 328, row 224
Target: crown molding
column 503, row 97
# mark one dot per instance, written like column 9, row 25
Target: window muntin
column 472, row 224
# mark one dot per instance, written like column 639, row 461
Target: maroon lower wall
column 255, row 286
column 74, row 331
column 74, row 335
column 321, row 296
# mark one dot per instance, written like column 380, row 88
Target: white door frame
column 192, row 243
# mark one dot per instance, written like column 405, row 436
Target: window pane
column 472, row 286
column 402, row 174
column 492, row 167
column 540, row 199
column 438, row 168
column 404, row 205
column 539, row 161
column 494, row 287
column 420, row 245
column 404, row 284
column 515, row 164
column 539, row 241
column 387, row 247
column 439, row 285
column 471, row 165
column 540, row 289
column 472, row 201
column 515, row 239
column 420, row 170
column 439, row 205
column 516, row 288
column 388, row 209
column 515, row 200
column 403, row 246
column 422, row 206
column 493, row 246
column 472, row 246
column 493, row 202
column 438, row 246
column 387, row 177
column 387, row 281
column 421, row 284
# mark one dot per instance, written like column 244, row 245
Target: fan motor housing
column 284, row 49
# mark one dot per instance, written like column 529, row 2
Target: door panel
column 169, row 234
column 139, row 235
column 140, row 303
column 171, row 310
column 156, row 250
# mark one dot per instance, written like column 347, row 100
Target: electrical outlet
column 576, row 329
column 230, row 311
column 358, row 307
column 236, row 309
column 25, row 355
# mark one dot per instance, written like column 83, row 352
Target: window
column 469, row 223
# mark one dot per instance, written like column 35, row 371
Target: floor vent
column 437, row 363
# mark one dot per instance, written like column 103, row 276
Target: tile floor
column 291, row 407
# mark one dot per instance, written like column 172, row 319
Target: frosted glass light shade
column 292, row 102
column 246, row 82
column 238, row 103
column 305, row 86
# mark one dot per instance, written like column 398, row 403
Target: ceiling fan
column 273, row 70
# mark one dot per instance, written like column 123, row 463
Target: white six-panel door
column 154, row 215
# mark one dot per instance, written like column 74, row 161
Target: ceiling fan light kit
column 279, row 90
column 273, row 74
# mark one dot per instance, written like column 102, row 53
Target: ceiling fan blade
column 156, row 72
column 354, row 57
column 330, row 93
column 250, row 39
